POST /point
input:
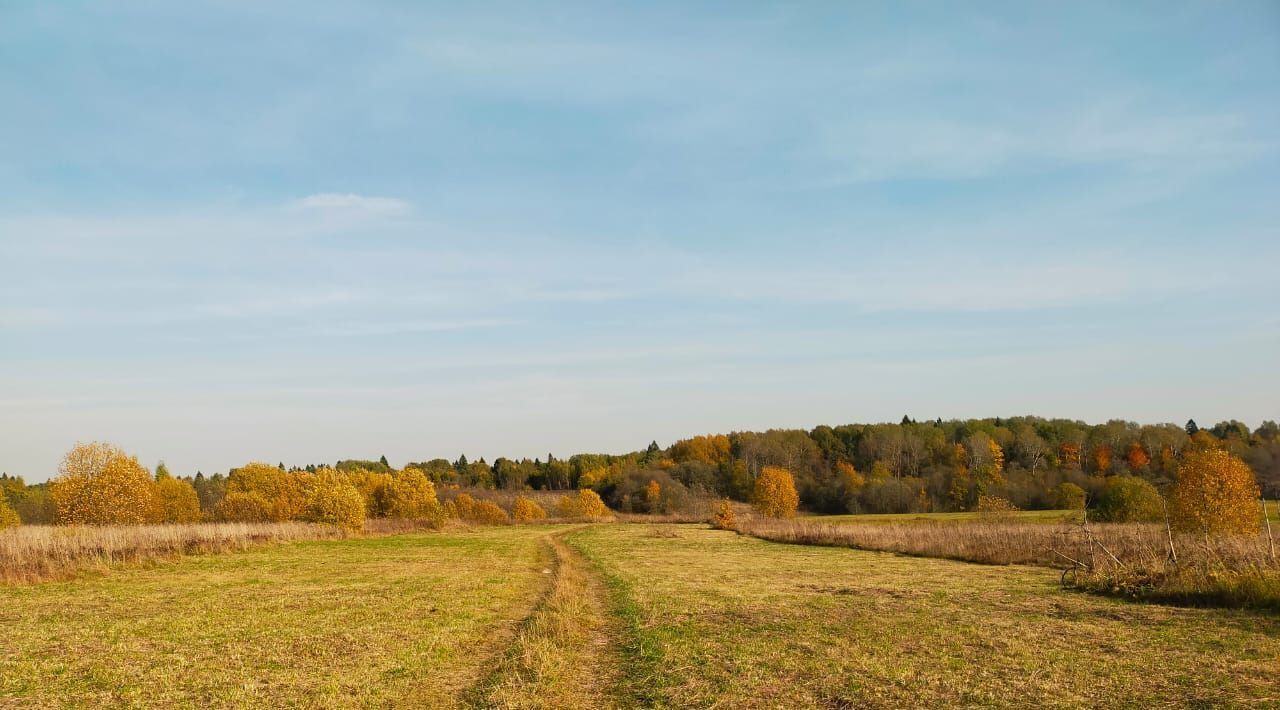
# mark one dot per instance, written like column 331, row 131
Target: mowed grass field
column 408, row 620
column 715, row 619
column 611, row 615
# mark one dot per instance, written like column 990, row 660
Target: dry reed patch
column 563, row 656
column 43, row 552
column 717, row 619
column 408, row 620
column 1129, row 559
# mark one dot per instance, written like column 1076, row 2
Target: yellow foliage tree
column 98, row 484
column 525, row 510
column 8, row 516
column 332, row 500
column 714, row 450
column 775, row 493
column 375, row 488
column 1215, row 492
column 586, row 504
column 724, row 518
column 283, row 491
column 653, row 496
column 177, row 501
column 997, row 457
column 242, row 507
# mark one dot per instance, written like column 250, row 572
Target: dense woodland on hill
column 910, row 466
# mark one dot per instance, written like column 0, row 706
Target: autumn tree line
column 99, row 484
column 1120, row 470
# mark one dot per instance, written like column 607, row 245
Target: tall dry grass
column 37, row 553
column 1139, row 560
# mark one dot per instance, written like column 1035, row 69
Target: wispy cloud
column 334, row 202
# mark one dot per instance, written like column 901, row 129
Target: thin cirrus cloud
column 335, row 202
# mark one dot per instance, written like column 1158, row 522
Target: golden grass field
column 609, row 615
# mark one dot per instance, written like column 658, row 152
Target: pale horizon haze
column 302, row 232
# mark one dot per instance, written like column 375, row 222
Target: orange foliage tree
column 724, row 518
column 775, row 493
column 1102, row 458
column 1070, row 453
column 98, row 484
column 1137, row 457
column 1215, row 492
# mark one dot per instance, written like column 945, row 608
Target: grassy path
column 563, row 655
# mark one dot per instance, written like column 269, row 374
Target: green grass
column 405, row 620
column 716, row 619
column 1021, row 516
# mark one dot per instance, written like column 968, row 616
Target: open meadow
column 609, row 615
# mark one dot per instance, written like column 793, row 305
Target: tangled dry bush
column 36, row 553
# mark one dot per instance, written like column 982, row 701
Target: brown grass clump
column 36, row 553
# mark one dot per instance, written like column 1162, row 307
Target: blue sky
column 306, row 231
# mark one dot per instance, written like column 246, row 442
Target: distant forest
column 910, row 466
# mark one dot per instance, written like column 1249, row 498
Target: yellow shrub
column 586, row 504
column 464, row 507
column 1215, row 492
column 775, row 493
column 724, row 518
column 995, row 504
column 412, row 495
column 8, row 516
column 525, row 510
column 177, row 501
column 241, row 507
column 332, row 500
column 101, row 485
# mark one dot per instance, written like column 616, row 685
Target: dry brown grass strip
column 37, row 553
column 1129, row 559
